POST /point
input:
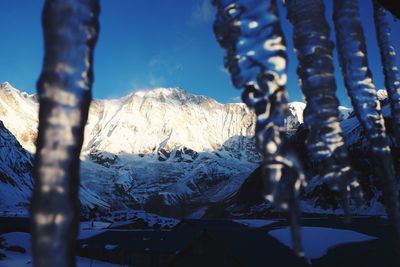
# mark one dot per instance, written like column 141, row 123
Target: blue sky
column 147, row 44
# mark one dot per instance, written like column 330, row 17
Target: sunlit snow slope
column 163, row 150
column 154, row 148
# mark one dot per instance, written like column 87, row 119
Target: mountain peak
column 8, row 90
column 5, row 85
column 167, row 91
column 170, row 94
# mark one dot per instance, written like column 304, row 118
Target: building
column 192, row 243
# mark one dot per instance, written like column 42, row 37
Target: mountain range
column 162, row 150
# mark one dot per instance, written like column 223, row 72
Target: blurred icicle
column 390, row 69
column 64, row 90
column 358, row 80
column 325, row 142
column 250, row 32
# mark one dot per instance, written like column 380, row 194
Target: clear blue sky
column 151, row 43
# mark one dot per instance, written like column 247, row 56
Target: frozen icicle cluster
column 325, row 141
column 390, row 69
column 358, row 80
column 250, row 32
column 64, row 90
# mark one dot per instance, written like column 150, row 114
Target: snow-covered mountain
column 295, row 116
column 163, row 150
column 142, row 122
column 154, row 148
column 145, row 121
column 19, row 113
column 15, row 173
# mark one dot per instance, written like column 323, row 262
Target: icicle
column 358, row 80
column 64, row 90
column 250, row 32
column 390, row 69
column 325, row 142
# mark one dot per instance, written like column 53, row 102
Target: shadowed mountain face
column 317, row 197
column 163, row 150
column 15, row 172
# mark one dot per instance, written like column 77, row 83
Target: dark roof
column 258, row 248
column 140, row 241
column 204, row 257
column 208, row 224
column 15, row 224
column 252, row 248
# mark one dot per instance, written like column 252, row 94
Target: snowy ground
column 23, row 258
column 21, row 240
column 325, row 240
column 317, row 240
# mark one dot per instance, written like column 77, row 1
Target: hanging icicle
column 390, row 69
column 358, row 80
column 64, row 90
column 250, row 32
column 325, row 142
